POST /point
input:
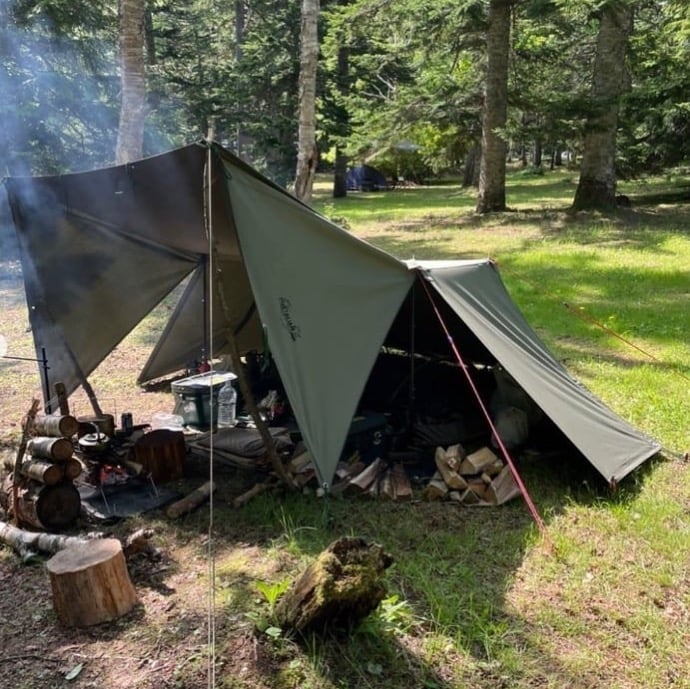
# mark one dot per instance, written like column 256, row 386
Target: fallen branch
column 27, row 544
column 191, row 501
column 257, row 489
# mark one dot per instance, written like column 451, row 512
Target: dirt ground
column 164, row 640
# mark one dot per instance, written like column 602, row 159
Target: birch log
column 27, row 543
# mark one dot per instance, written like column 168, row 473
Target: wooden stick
column 61, row 393
column 251, row 493
column 27, row 429
column 191, row 501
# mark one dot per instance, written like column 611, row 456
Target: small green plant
column 265, row 621
column 329, row 211
column 272, row 591
column 393, row 615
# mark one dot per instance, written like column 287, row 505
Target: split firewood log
column 502, row 488
column 436, row 489
column 454, row 456
column 451, row 477
column 338, row 590
column 368, row 476
column 478, row 461
column 401, row 483
column 386, row 488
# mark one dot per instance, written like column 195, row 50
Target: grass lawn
column 477, row 598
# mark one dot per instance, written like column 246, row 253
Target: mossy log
column 338, row 590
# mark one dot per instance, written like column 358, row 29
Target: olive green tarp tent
column 101, row 249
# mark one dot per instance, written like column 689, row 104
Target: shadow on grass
column 453, row 567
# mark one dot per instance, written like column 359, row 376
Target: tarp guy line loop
column 581, row 313
column 528, row 500
column 211, row 639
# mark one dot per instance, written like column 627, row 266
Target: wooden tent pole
column 235, row 356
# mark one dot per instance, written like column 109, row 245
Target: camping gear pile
column 331, row 309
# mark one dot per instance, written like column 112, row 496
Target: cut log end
column 90, row 583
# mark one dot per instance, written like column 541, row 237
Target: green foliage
column 264, row 620
column 59, row 109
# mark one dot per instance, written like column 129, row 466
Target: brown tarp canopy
column 100, row 250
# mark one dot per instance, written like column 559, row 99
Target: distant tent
column 100, row 249
column 365, row 178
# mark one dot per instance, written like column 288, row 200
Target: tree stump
column 338, row 590
column 162, row 453
column 90, row 583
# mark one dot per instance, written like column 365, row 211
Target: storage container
column 193, row 398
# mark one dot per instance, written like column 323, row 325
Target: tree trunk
column 470, row 176
column 343, row 124
column 130, row 136
column 243, row 140
column 538, row 153
column 307, row 152
column 339, row 589
column 597, row 186
column 492, row 173
column 340, row 174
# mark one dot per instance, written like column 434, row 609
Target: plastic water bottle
column 227, row 405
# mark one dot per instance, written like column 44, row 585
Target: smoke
column 60, row 85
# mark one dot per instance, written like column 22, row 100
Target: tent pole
column 411, row 389
column 235, row 356
column 204, row 306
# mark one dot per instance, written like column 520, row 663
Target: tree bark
column 27, row 543
column 243, row 140
column 492, row 172
column 338, row 590
column 341, row 160
column 130, row 137
column 90, row 583
column 307, row 152
column 597, row 186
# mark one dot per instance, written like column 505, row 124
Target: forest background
column 477, row 598
column 405, row 85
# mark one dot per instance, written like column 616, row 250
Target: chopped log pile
column 39, row 489
column 477, row 479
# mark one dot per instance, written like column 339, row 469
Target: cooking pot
column 94, row 443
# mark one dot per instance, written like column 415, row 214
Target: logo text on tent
column 285, row 315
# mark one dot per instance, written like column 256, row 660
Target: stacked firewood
column 479, row 478
column 476, row 479
column 40, row 491
column 353, row 477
